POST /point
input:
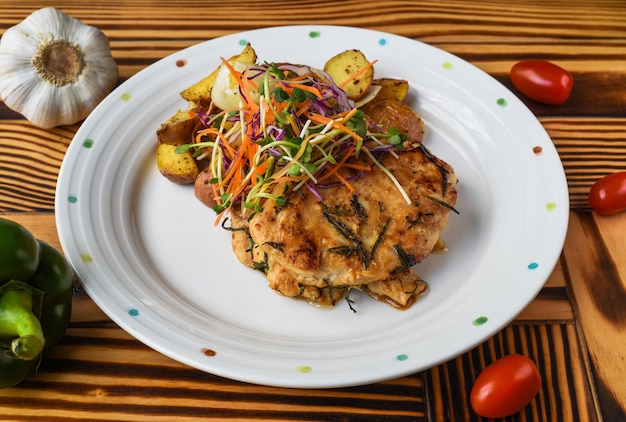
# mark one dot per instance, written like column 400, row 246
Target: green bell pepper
column 35, row 301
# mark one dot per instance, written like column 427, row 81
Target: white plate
column 148, row 254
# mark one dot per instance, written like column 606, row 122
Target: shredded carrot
column 357, row 74
column 217, row 134
column 349, row 153
column 293, row 124
column 302, row 77
column 219, row 217
column 260, row 169
column 290, row 179
column 344, row 181
column 347, row 115
column 310, row 89
column 236, row 164
column 357, row 167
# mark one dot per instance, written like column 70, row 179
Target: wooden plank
column 555, row 349
column 162, row 19
column 104, row 374
column 597, row 273
column 30, row 159
column 590, row 148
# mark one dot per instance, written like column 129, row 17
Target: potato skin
column 344, row 66
column 178, row 168
column 203, row 190
column 393, row 89
column 389, row 113
column 178, row 129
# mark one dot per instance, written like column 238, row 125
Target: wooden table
column 575, row 328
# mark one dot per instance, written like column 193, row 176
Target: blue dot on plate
column 382, row 41
column 133, row 312
column 533, row 265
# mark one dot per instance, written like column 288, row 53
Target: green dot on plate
column 550, row 206
column 305, row 369
column 85, row 257
column 126, row 96
column 480, row 320
column 314, row 34
column 447, row 65
column 402, row 357
column 72, row 199
column 501, row 102
column 88, row 143
column 243, row 42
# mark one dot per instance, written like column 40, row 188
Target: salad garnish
column 277, row 128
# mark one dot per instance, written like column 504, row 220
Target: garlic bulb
column 54, row 69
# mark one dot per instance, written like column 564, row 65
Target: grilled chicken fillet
column 368, row 239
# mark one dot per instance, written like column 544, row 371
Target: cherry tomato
column 608, row 194
column 542, row 81
column 505, row 387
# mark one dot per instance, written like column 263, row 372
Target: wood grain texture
column 107, row 373
column 590, row 148
column 30, row 159
column 554, row 348
column 598, row 281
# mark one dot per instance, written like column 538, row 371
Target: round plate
column 148, row 253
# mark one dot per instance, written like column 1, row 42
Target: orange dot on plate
column 209, row 352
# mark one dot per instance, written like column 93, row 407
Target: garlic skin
column 54, row 69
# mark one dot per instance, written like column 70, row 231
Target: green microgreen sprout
column 396, row 138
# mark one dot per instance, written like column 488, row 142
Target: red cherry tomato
column 608, row 194
column 505, row 387
column 542, row 81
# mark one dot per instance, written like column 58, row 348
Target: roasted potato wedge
column 395, row 89
column 178, row 168
column 389, row 113
column 352, row 66
column 201, row 90
column 178, row 129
